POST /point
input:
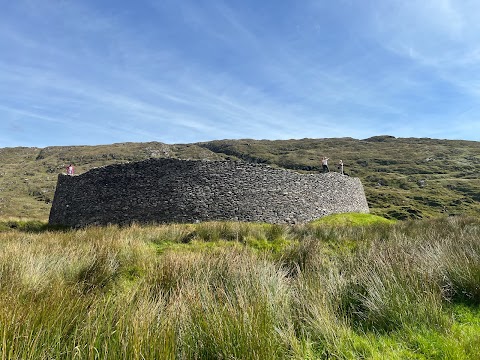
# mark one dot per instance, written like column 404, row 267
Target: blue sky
column 179, row 71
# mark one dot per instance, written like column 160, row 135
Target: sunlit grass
column 352, row 219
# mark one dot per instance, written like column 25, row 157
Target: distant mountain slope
column 403, row 177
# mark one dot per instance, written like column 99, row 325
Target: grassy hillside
column 222, row 290
column 403, row 178
column 28, row 176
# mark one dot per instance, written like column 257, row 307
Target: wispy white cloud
column 189, row 71
column 438, row 34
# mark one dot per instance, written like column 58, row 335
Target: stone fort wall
column 172, row 190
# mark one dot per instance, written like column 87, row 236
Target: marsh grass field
column 345, row 287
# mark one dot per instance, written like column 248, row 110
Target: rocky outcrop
column 172, row 190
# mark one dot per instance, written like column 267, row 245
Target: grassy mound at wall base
column 350, row 219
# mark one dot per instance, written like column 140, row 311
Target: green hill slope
column 403, row 178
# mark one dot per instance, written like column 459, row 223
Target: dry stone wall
column 172, row 190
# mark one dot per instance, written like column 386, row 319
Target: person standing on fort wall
column 340, row 167
column 70, row 169
column 325, row 168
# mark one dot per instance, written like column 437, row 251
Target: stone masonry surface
column 172, row 190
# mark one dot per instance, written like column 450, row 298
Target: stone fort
column 173, row 190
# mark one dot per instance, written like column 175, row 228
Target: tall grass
column 209, row 291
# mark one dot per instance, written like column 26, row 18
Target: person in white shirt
column 325, row 164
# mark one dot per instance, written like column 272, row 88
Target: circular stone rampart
column 172, row 190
